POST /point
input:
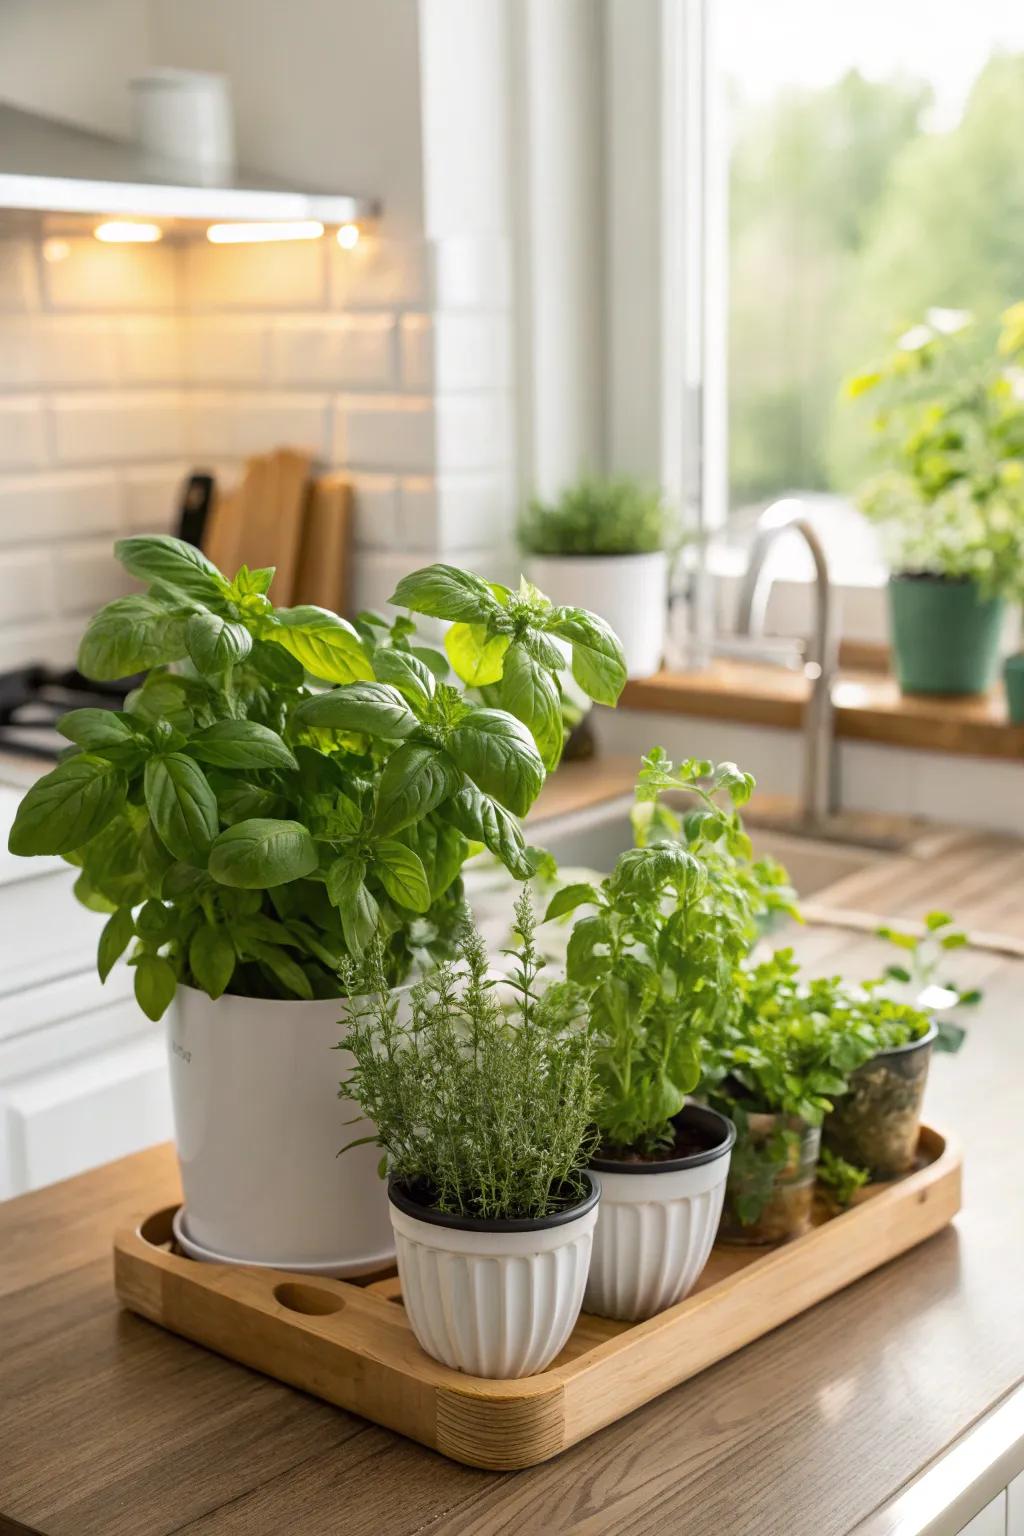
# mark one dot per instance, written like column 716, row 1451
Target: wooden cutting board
column 261, row 523
column 325, row 560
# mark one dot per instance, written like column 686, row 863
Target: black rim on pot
column 403, row 1200
column 907, row 1049
column 695, row 1117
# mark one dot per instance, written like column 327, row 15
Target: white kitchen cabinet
column 991, row 1521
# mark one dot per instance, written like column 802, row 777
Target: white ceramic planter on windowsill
column 494, row 1298
column 658, row 1222
column 254, row 1086
column 630, row 592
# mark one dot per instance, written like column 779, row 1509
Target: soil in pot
column 770, row 1193
column 876, row 1124
column 945, row 635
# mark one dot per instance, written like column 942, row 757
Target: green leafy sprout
column 840, row 1179
column 483, row 1107
column 597, row 517
column 917, row 974
column 248, row 829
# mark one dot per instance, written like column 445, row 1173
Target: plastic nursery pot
column 630, row 592
column 945, row 636
column 876, row 1123
column 1013, row 676
column 494, row 1298
column 770, row 1193
column 658, row 1219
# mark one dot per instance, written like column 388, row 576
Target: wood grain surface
column 868, row 707
column 109, row 1425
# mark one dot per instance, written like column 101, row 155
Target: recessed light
column 127, row 232
column 245, row 234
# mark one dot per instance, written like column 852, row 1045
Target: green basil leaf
column 182, row 880
column 181, row 805
column 569, row 898
column 360, row 914
column 241, row 744
column 90, row 897
column 586, row 959
column 288, row 972
column 117, row 934
column 440, row 847
column 376, row 708
column 164, row 697
column 211, row 959
column 498, row 753
column 215, row 643
column 255, row 855
column 158, row 557
column 95, row 729
column 435, row 661
column 273, row 664
column 155, row 985
column 415, row 780
column 530, row 693
column 476, row 656
column 483, row 820
column 326, row 645
column 446, row 592
column 129, row 635
column 258, row 580
column 550, row 655
column 406, row 672
column 402, row 875
column 643, row 871
column 598, row 664
column 67, row 807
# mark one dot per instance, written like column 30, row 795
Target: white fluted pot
column 493, row 1298
column 658, row 1221
column 258, row 1124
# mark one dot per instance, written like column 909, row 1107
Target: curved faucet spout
column 819, row 787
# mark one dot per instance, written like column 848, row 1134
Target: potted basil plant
column 483, row 1110
column 604, row 543
column 951, row 501
column 657, row 954
column 250, row 830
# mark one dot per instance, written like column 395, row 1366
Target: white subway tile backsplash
column 338, row 351
column 23, row 440
column 473, row 431
column 37, row 350
column 19, row 275
column 28, row 585
column 453, row 512
column 239, row 424
column 116, row 427
column 54, row 506
column 91, row 275
column 226, row 351
column 152, row 498
column 150, row 351
column 376, row 512
column 290, row 275
column 87, row 576
column 384, row 432
column 455, row 351
column 50, row 640
column 378, row 274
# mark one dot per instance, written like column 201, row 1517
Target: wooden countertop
column 868, row 707
column 111, row 1427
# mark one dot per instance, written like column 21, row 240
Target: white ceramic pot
column 658, row 1222
column 258, row 1122
column 494, row 1298
column 630, row 592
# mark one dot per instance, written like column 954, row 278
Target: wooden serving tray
column 351, row 1344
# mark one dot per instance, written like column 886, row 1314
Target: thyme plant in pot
column 484, row 1113
column 250, row 831
column 951, row 502
column 603, row 543
column 657, row 955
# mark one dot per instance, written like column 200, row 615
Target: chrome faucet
column 819, row 788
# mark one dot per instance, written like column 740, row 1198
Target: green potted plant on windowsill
column 658, row 954
column 605, row 543
column 484, row 1113
column 249, row 832
column 951, row 502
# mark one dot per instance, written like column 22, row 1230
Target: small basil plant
column 249, row 829
column 919, row 974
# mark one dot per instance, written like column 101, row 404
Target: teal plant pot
column 945, row 636
column 1013, row 675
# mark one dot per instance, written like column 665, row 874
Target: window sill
column 868, row 707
